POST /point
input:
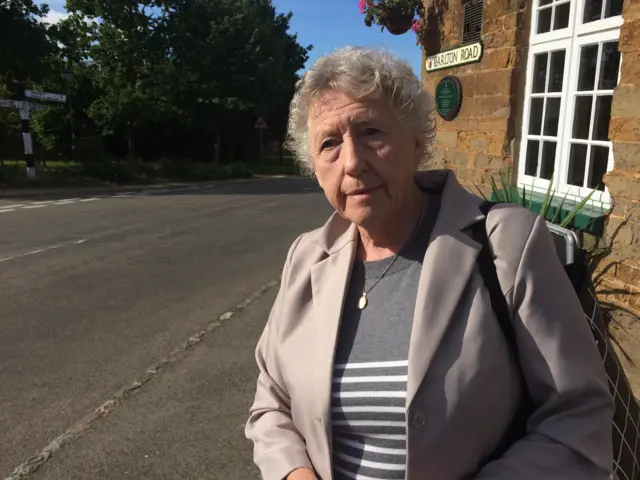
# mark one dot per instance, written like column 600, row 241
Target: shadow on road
column 250, row 186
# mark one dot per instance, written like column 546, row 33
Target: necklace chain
column 362, row 302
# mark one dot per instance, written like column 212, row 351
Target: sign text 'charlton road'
column 454, row 58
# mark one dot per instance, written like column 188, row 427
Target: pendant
column 362, row 303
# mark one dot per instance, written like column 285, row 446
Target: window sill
column 590, row 219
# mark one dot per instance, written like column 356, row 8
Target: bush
column 120, row 171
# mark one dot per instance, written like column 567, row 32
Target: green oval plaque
column 449, row 97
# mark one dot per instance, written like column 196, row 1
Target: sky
column 325, row 24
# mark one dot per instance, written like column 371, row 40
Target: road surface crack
column 82, row 426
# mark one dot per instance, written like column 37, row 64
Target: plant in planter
column 598, row 257
column 505, row 195
column 397, row 16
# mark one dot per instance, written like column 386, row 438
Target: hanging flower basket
column 397, row 21
column 397, row 16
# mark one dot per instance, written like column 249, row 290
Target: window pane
column 548, row 160
column 609, row 66
column 541, row 3
column 577, row 159
column 587, row 70
column 582, row 117
column 539, row 72
column 598, row 167
column 602, row 117
column 551, row 117
column 613, row 8
column 535, row 116
column 556, row 71
column 561, row 18
column 592, row 11
column 544, row 20
column 531, row 163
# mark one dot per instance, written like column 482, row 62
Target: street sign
column 9, row 104
column 53, row 97
column 36, row 106
column 260, row 124
column 24, row 110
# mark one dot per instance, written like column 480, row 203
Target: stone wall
column 480, row 141
column 484, row 138
column 624, row 180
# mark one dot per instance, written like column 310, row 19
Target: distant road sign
column 9, row 104
column 53, row 97
column 260, row 124
column 36, row 106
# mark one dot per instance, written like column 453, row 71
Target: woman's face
column 363, row 156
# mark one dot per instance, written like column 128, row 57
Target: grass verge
column 116, row 172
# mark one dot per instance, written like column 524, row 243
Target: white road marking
column 93, row 199
column 14, row 206
column 5, row 210
column 29, row 207
column 43, row 202
column 44, row 249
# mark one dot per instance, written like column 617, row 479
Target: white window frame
column 535, row 38
column 574, row 191
column 570, row 39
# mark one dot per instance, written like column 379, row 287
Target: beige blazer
column 462, row 388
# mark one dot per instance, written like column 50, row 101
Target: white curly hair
column 361, row 73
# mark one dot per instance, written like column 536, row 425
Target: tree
column 26, row 54
column 27, row 47
column 231, row 60
column 127, row 46
column 166, row 77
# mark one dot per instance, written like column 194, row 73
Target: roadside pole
column 25, row 124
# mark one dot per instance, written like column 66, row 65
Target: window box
column 590, row 219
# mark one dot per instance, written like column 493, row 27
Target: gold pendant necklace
column 363, row 302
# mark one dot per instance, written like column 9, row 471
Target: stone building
column 556, row 98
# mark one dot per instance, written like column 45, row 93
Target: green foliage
column 154, row 78
column 502, row 193
column 114, row 171
column 26, row 43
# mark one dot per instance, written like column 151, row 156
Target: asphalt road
column 95, row 289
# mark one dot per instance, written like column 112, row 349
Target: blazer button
column 418, row 420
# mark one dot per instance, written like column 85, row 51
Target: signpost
column 9, row 104
column 52, row 97
column 25, row 108
column 261, row 125
column 36, row 106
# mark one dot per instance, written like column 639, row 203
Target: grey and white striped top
column 368, row 415
column 368, row 399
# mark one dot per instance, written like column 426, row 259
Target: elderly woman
column 382, row 357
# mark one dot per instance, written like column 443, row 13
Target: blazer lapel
column 329, row 280
column 448, row 264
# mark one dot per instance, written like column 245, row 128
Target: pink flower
column 363, row 5
column 415, row 25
